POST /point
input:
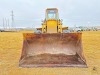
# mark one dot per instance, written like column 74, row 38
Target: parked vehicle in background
column 1, row 30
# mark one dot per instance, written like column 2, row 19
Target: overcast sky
column 29, row 13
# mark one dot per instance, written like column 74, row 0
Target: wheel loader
column 52, row 47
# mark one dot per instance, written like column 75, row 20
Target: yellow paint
column 51, row 26
column 11, row 47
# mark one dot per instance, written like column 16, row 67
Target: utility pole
column 8, row 24
column 3, row 24
column 12, row 16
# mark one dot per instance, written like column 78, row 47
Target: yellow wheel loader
column 52, row 47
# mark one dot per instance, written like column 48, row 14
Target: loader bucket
column 52, row 50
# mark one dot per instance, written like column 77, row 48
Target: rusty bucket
column 52, row 50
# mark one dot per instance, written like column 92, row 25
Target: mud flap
column 52, row 50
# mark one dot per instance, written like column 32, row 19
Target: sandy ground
column 10, row 51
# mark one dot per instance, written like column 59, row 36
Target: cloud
column 28, row 13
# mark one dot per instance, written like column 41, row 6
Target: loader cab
column 52, row 23
column 52, row 14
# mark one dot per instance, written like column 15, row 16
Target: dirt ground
column 10, row 51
